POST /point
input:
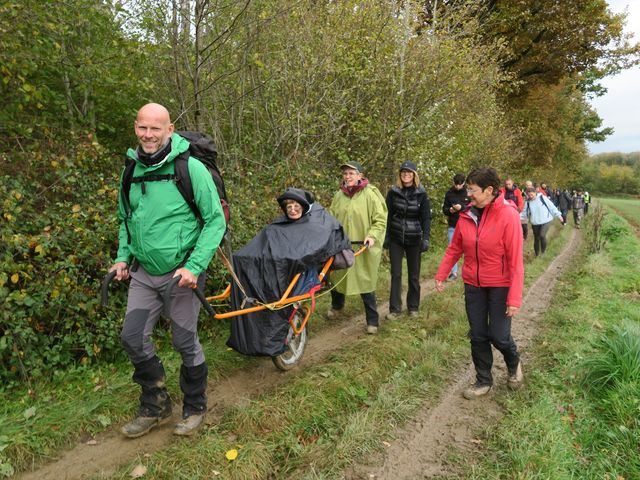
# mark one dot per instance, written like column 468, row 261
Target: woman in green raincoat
column 362, row 211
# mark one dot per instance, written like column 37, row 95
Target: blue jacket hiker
column 540, row 211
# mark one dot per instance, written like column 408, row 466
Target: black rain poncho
column 268, row 263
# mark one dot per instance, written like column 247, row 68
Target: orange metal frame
column 284, row 301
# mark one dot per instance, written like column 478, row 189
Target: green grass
column 579, row 415
column 629, row 208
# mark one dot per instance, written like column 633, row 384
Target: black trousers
column 525, row 230
column 489, row 325
column 396, row 253
column 369, row 300
column 540, row 237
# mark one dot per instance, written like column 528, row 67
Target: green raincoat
column 363, row 215
column 164, row 230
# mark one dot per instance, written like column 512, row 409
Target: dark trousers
column 565, row 216
column 540, row 237
column 489, row 325
column 396, row 254
column 525, row 230
column 369, row 300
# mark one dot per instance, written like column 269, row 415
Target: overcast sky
column 620, row 106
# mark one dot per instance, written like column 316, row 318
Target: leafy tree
column 67, row 69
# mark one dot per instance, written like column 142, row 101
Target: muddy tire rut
column 425, row 444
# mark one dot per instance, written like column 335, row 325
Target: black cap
column 354, row 165
column 303, row 197
column 409, row 166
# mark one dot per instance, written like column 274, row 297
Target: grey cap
column 354, row 165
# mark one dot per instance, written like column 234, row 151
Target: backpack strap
column 545, row 204
column 183, row 182
column 125, row 188
column 151, row 178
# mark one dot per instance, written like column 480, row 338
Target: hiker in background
column 545, row 190
column 524, row 222
column 361, row 209
column 512, row 193
column 488, row 236
column 562, row 200
column 541, row 212
column 455, row 200
column 408, row 233
column 577, row 205
column 587, row 201
column 150, row 254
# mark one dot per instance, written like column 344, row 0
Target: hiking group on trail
column 173, row 216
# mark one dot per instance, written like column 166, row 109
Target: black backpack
column 202, row 148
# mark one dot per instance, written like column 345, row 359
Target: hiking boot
column 476, row 390
column 140, row 425
column 392, row 315
column 371, row 329
column 452, row 277
column 189, row 425
column 414, row 313
column 333, row 313
column 515, row 378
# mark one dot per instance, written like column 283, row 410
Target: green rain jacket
column 163, row 228
column 363, row 215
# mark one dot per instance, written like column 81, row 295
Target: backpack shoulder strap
column 545, row 204
column 127, row 178
column 125, row 188
column 183, row 182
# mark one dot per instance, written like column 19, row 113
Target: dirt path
column 422, row 452
column 424, row 448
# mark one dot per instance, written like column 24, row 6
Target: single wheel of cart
column 296, row 342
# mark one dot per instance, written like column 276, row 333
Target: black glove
column 425, row 245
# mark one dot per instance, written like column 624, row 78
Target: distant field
column 627, row 207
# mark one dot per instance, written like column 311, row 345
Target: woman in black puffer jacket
column 408, row 231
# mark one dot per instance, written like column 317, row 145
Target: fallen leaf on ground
column 386, row 444
column 215, row 473
column 138, row 471
column 92, row 442
column 231, row 454
column 477, row 441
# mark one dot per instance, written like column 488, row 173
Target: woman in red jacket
column 489, row 236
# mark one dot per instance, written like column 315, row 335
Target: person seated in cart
column 299, row 241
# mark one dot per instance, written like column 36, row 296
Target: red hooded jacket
column 492, row 250
column 517, row 193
